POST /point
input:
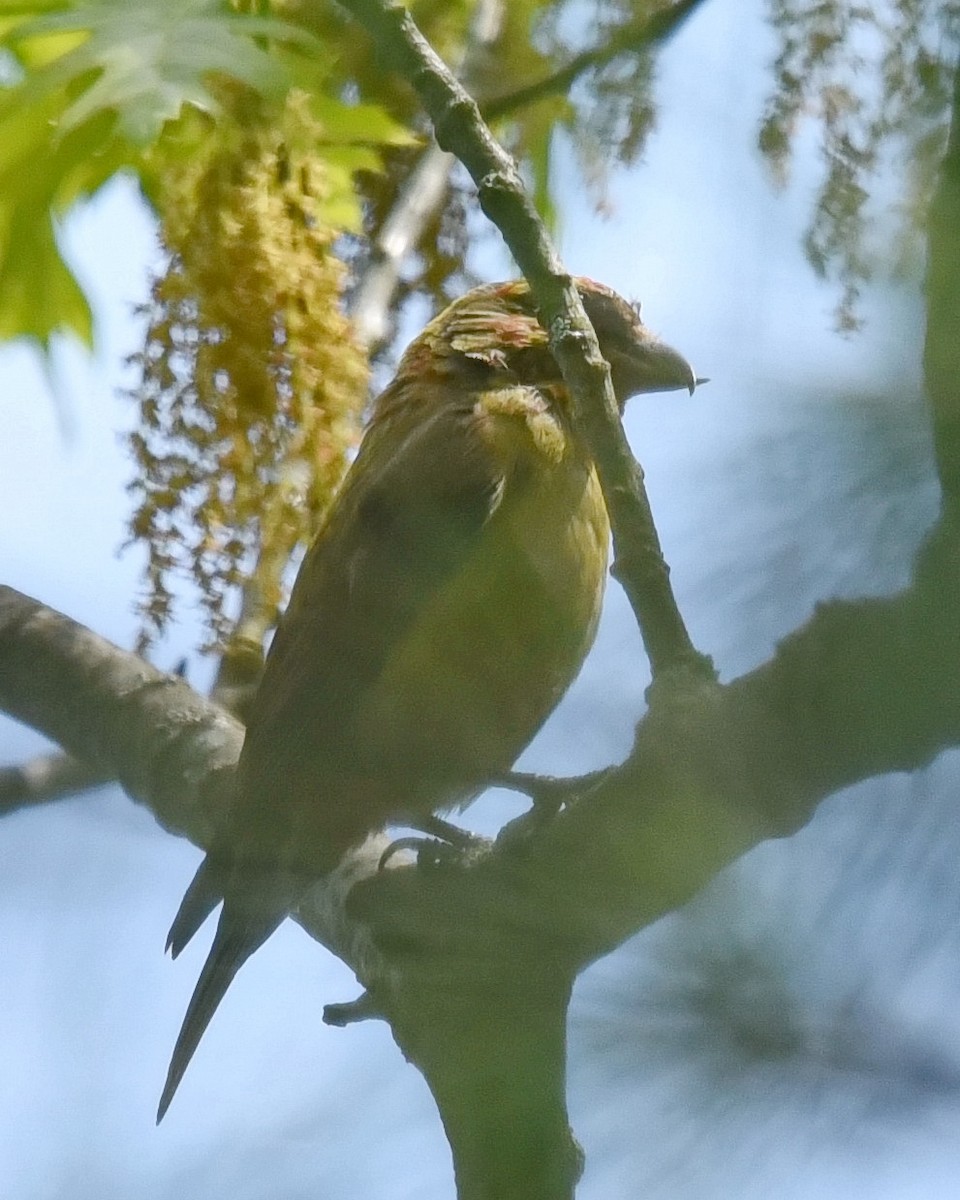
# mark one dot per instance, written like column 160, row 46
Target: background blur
column 794, row 1032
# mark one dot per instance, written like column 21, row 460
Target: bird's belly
column 493, row 651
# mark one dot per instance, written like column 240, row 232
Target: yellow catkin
column 252, row 381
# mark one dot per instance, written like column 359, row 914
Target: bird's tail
column 202, row 897
column 239, row 933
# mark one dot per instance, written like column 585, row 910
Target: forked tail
column 238, row 935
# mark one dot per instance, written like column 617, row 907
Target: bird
column 445, row 606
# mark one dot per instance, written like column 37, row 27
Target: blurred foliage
column 274, row 145
column 610, row 110
column 92, row 85
column 877, row 78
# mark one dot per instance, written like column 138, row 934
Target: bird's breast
column 492, row 652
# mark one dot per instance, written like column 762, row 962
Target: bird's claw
column 444, row 843
column 430, row 852
column 548, row 794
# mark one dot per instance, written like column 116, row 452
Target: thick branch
column 168, row 747
column 475, row 1026
column 459, row 127
column 866, row 687
column 172, row 750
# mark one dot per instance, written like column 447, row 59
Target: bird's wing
column 410, row 514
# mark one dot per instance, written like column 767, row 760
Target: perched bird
column 443, row 610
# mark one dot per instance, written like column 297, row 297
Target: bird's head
column 493, row 330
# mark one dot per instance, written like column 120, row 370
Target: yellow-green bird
column 446, row 605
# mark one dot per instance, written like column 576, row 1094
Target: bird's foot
column 444, row 845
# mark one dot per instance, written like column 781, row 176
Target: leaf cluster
column 92, row 87
column 877, row 79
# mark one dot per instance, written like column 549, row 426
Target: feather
column 239, row 934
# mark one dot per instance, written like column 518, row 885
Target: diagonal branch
column 867, row 687
column 169, row 747
column 419, row 199
column 173, row 750
column 459, row 127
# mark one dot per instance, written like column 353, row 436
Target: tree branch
column 43, row 779
column 864, row 688
column 172, row 750
column 168, row 746
column 418, row 201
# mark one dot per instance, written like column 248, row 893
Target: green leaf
column 340, row 206
column 540, row 158
column 101, row 81
column 368, row 124
column 144, row 62
column 40, row 294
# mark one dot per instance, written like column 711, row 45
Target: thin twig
column 419, row 198
column 632, row 39
column 43, row 779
